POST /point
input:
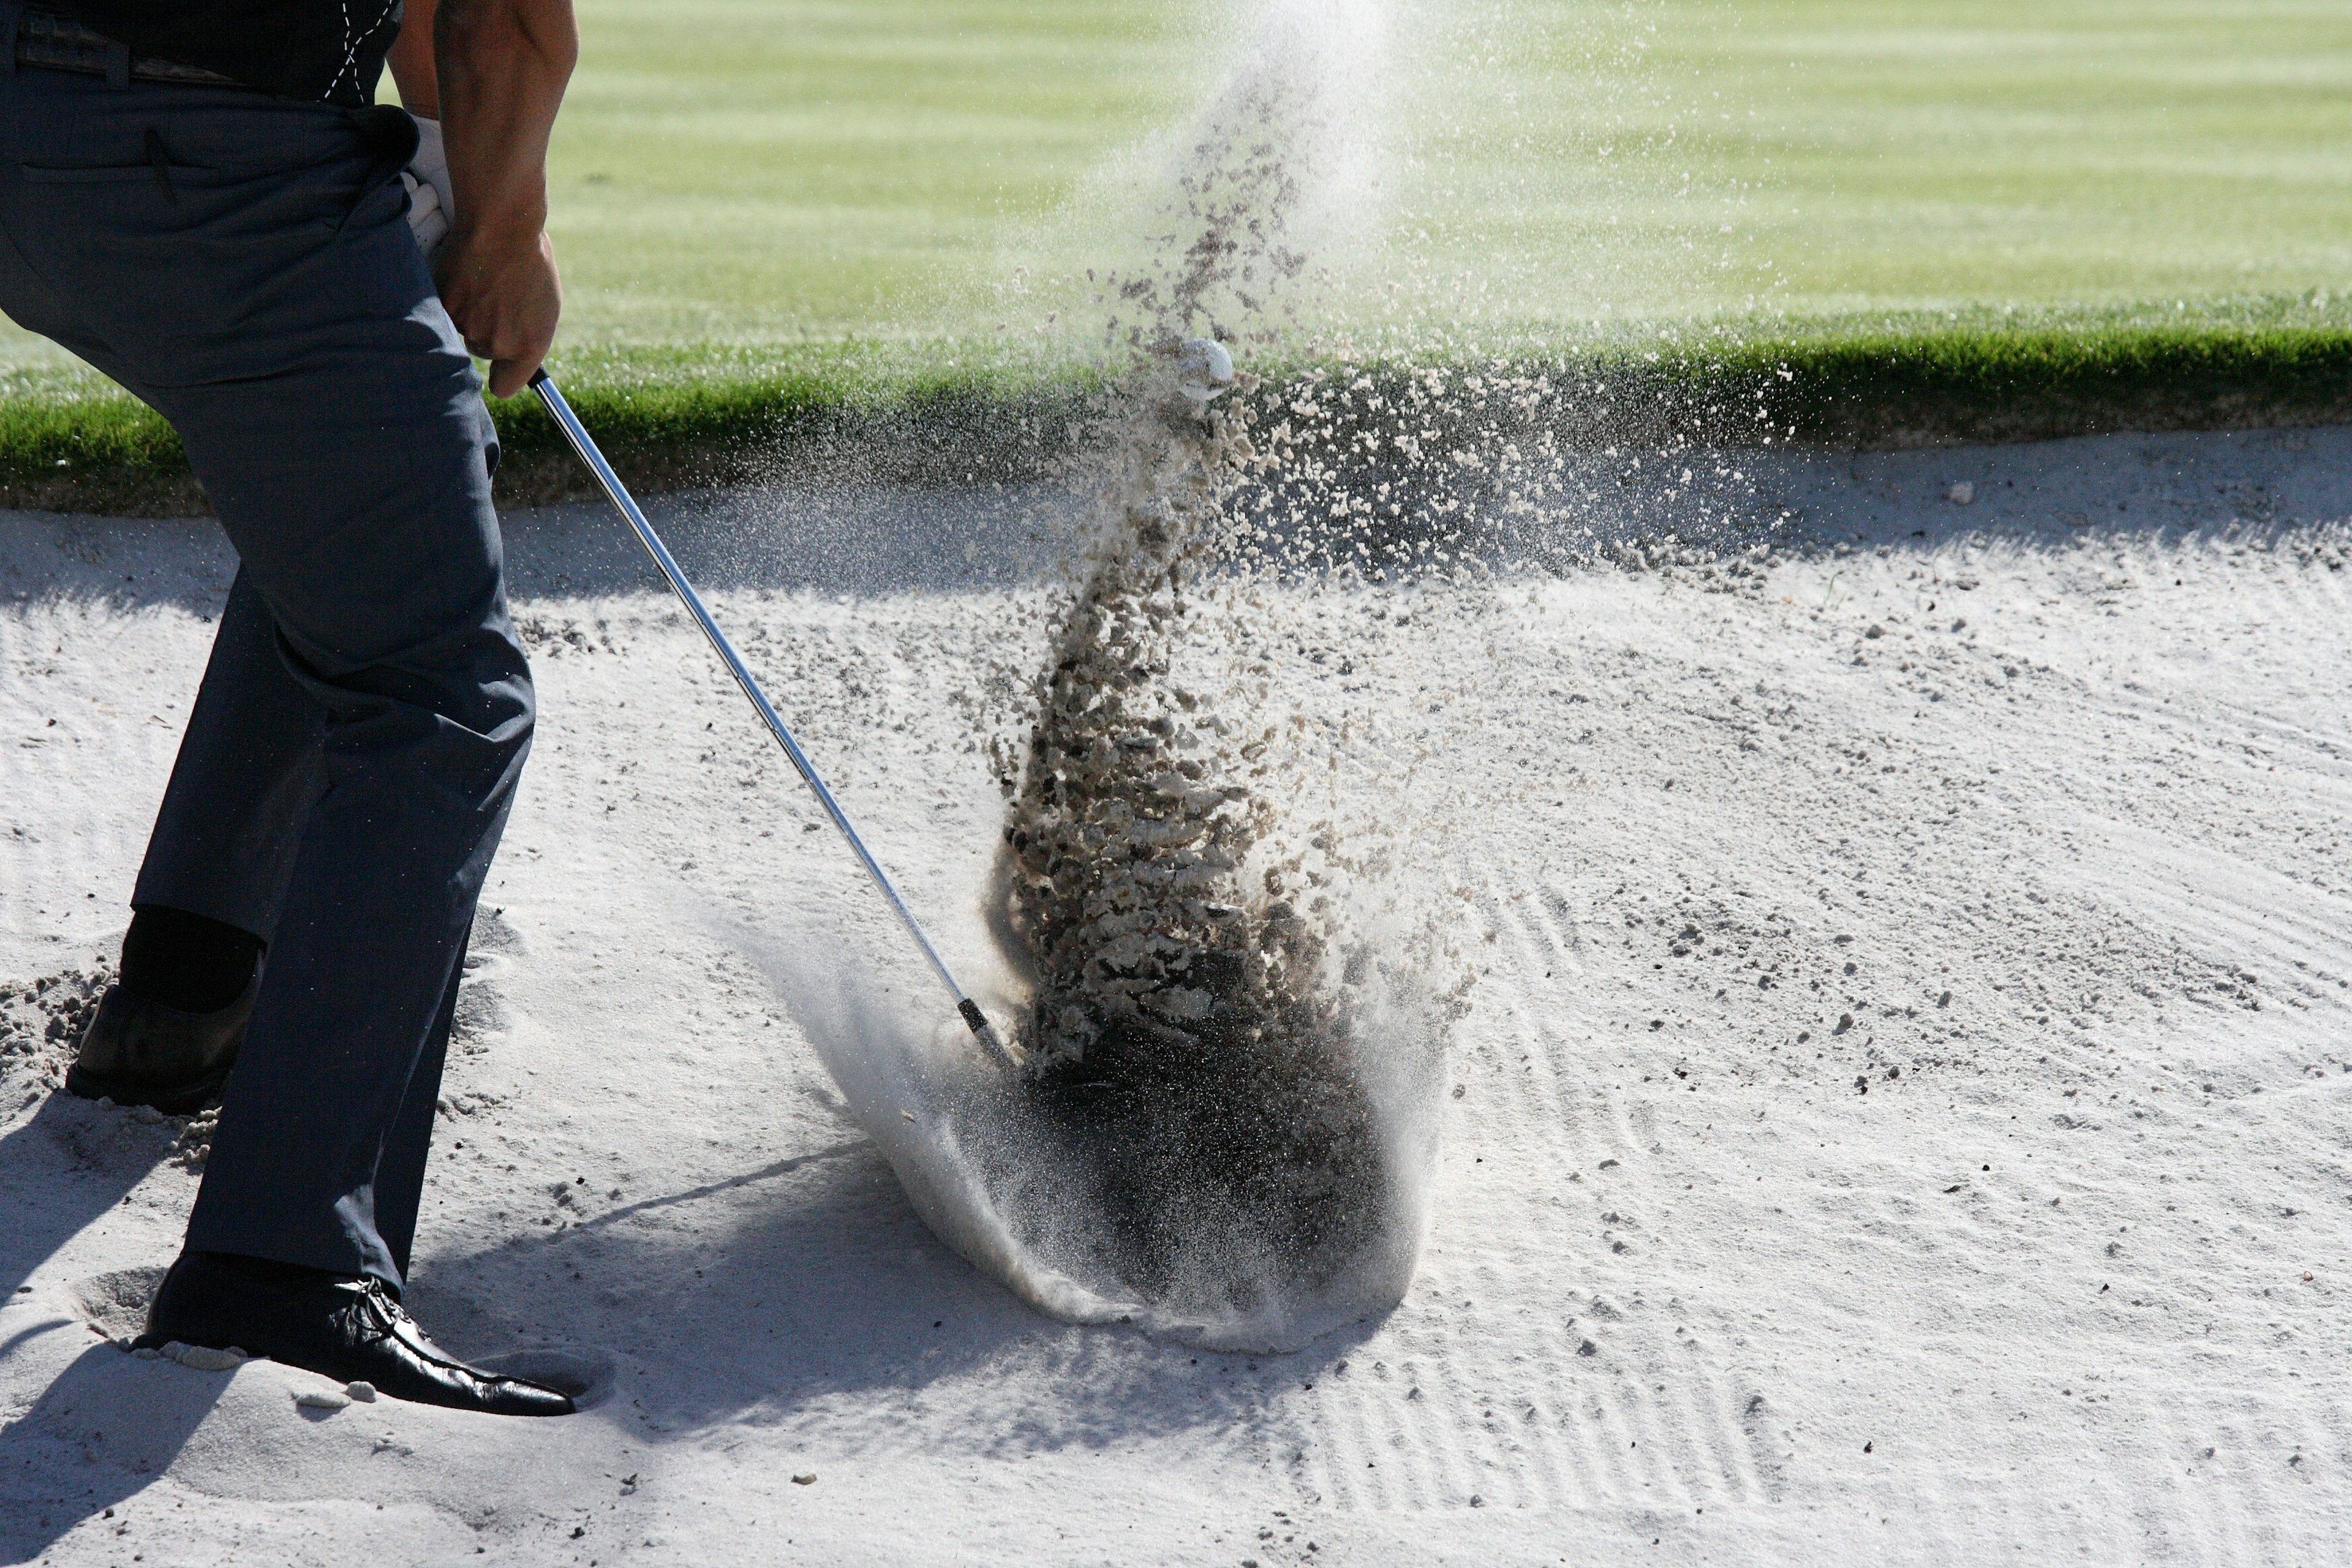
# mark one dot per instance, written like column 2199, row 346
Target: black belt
column 47, row 41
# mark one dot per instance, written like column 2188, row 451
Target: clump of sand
column 1187, row 1037
column 1194, row 1046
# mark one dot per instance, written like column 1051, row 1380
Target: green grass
column 787, row 171
column 2003, row 376
column 774, row 212
column 674, row 415
column 745, row 170
column 1816, row 157
column 666, row 416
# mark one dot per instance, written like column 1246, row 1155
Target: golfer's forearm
column 410, row 59
column 502, row 67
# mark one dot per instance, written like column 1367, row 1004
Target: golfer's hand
column 502, row 291
column 498, row 68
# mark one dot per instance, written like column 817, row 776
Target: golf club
column 617, row 493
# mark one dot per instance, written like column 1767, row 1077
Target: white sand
column 2066, row 842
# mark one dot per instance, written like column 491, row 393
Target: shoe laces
column 387, row 1315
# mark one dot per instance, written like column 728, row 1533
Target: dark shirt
column 319, row 50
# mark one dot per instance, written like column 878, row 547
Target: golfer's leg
column 224, row 841
column 267, row 299
column 400, row 1179
column 356, row 488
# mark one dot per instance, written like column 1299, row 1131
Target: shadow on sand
column 867, row 540
column 809, row 1279
column 105, row 1426
column 102, row 1432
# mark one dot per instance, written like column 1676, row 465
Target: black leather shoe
column 347, row 1327
column 137, row 1052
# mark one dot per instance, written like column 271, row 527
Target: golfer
column 202, row 200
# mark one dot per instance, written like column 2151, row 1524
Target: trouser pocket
column 156, row 166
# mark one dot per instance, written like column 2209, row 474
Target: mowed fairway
column 763, row 168
column 1901, row 153
column 779, row 168
column 773, row 171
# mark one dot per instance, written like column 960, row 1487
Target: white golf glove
column 431, row 204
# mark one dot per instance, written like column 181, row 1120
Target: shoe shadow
column 72, row 1160
column 104, row 1428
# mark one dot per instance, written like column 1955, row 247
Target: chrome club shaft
column 617, row 493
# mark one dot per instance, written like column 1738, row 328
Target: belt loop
column 118, row 66
column 12, row 17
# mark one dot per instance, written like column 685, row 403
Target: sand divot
column 115, row 1304
column 984, row 1170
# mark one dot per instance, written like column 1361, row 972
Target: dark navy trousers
column 244, row 265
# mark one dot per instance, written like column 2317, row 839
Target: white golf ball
column 1205, row 370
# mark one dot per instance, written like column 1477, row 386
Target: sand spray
column 1230, row 999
